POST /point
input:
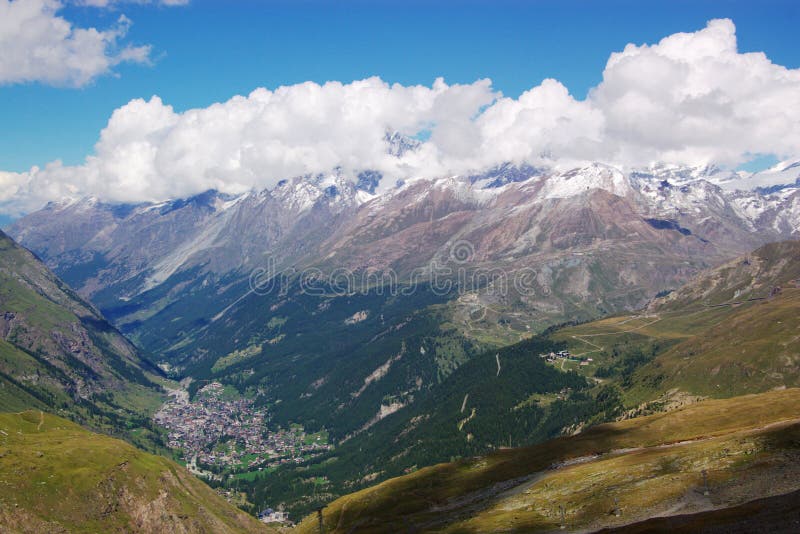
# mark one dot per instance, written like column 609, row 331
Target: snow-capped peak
column 398, row 144
column 785, row 174
column 302, row 193
column 75, row 203
column 682, row 174
column 580, row 180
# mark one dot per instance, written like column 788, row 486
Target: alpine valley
column 59, row 355
column 378, row 329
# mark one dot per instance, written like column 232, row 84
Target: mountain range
column 600, row 240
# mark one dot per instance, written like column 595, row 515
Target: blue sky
column 210, row 50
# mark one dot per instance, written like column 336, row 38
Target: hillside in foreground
column 711, row 455
column 776, row 515
column 57, row 477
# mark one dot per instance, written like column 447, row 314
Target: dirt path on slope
column 598, row 348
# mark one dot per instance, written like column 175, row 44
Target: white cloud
column 694, row 97
column 40, row 46
column 149, row 152
column 691, row 98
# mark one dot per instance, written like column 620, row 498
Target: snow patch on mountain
column 298, row 197
column 463, row 191
column 505, row 174
column 362, row 197
column 665, row 198
column 788, row 218
column 226, row 204
column 578, row 181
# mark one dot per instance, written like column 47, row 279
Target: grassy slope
column 57, row 477
column 752, row 348
column 704, row 351
column 650, row 464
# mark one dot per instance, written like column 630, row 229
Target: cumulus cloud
column 147, row 151
column 40, row 46
column 692, row 98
